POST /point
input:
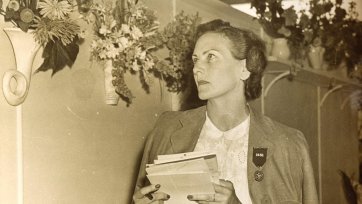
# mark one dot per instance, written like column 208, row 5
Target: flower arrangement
column 124, row 34
column 127, row 33
column 51, row 26
column 315, row 26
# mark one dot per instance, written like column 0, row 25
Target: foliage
column 280, row 23
column 321, row 24
column 178, row 37
column 127, row 32
column 317, row 25
column 52, row 28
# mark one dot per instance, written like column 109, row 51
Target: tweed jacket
column 288, row 174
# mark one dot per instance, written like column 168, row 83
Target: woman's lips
column 202, row 82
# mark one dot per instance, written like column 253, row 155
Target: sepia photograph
column 181, row 102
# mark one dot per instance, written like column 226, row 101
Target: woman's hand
column 224, row 194
column 149, row 194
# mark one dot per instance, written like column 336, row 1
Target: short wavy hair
column 245, row 45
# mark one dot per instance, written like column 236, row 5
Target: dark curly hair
column 245, row 45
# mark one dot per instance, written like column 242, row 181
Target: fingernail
column 168, row 197
column 149, row 196
column 158, row 186
column 189, row 197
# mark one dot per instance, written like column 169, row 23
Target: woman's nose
column 198, row 68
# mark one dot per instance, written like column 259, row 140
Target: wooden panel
column 339, row 146
column 294, row 103
column 8, row 127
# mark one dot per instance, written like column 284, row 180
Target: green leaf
column 290, row 16
column 9, row 14
column 57, row 56
column 304, row 21
column 33, row 4
column 340, row 14
column 23, row 26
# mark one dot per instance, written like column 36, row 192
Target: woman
column 260, row 161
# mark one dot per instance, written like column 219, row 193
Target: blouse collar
column 235, row 133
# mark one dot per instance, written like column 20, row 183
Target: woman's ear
column 244, row 75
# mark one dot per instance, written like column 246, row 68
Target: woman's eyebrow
column 206, row 51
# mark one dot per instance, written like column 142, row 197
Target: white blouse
column 231, row 149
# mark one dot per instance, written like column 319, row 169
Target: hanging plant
column 178, row 38
column 127, row 32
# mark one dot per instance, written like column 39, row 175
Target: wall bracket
column 280, row 76
column 328, row 93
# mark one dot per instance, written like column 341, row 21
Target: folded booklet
column 184, row 174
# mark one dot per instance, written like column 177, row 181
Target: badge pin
column 259, row 159
column 259, row 156
column 258, row 175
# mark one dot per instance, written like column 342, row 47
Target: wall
column 76, row 148
column 7, row 131
column 340, row 145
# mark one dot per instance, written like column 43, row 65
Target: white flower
column 140, row 54
column 124, row 41
column 135, row 66
column 94, row 45
column 14, row 5
column 103, row 30
column 120, row 47
column 149, row 64
column 136, row 33
column 139, row 13
column 54, row 9
column 112, row 52
column 125, row 29
column 102, row 54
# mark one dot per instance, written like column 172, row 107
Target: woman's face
column 216, row 71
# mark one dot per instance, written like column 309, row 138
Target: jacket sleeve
column 309, row 188
column 148, row 149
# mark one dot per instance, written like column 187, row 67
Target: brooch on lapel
column 259, row 159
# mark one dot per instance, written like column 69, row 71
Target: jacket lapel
column 258, row 138
column 185, row 137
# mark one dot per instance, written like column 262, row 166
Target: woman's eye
column 194, row 60
column 210, row 57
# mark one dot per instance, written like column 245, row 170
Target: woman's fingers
column 202, row 197
column 150, row 194
column 226, row 184
column 224, row 187
column 146, row 191
column 224, row 191
column 160, row 196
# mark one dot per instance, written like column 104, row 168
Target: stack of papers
column 184, row 174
